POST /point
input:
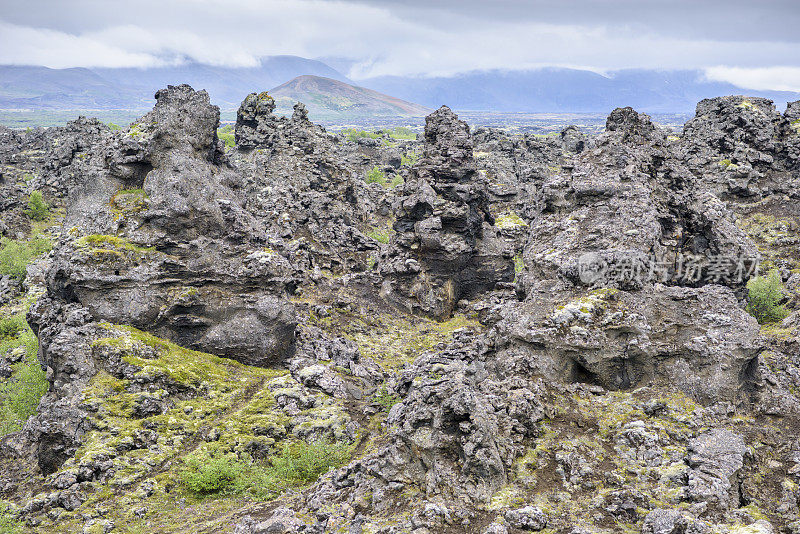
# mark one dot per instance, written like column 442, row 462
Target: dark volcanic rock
column 446, row 247
column 619, row 384
column 629, row 217
column 299, row 185
column 167, row 244
column 743, row 146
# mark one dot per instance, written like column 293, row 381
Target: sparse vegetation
column 386, row 399
column 519, row 264
column 38, row 209
column 409, row 159
column 381, row 236
column 20, row 395
column 114, row 127
column 399, row 133
column 227, row 135
column 765, row 294
column 376, row 176
column 8, row 525
column 299, row 463
column 354, row 135
column 403, row 133
column 15, row 255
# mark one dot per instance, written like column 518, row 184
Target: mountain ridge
column 324, row 96
column 556, row 90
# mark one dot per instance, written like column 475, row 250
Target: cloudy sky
column 754, row 44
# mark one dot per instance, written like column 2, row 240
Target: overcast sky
column 754, row 44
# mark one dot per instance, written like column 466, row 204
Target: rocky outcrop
column 161, row 240
column 743, row 147
column 316, row 209
column 445, row 247
column 619, row 384
column 607, row 240
column 715, row 458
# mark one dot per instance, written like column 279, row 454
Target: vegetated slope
column 327, row 98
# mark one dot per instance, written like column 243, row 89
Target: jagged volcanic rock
column 445, row 247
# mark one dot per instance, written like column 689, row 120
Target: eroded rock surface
column 445, row 247
column 509, row 334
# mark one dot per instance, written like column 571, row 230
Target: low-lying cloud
column 410, row 37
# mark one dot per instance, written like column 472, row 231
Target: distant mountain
column 42, row 88
column 227, row 86
column 330, row 95
column 326, row 98
column 565, row 90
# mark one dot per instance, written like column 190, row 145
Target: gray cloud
column 754, row 44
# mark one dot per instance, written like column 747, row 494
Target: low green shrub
column 409, row 159
column 376, row 176
column 305, row 461
column 20, row 395
column 208, row 473
column 764, row 297
column 227, row 135
column 11, row 327
column 354, row 135
column 15, row 255
column 38, row 209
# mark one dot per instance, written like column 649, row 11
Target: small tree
column 764, row 298
column 38, row 209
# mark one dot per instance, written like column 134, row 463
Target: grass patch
column 381, row 236
column 409, row 159
column 15, row 255
column 353, row 135
column 105, row 242
column 402, row 133
column 764, row 297
column 8, row 524
column 509, row 220
column 386, row 399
